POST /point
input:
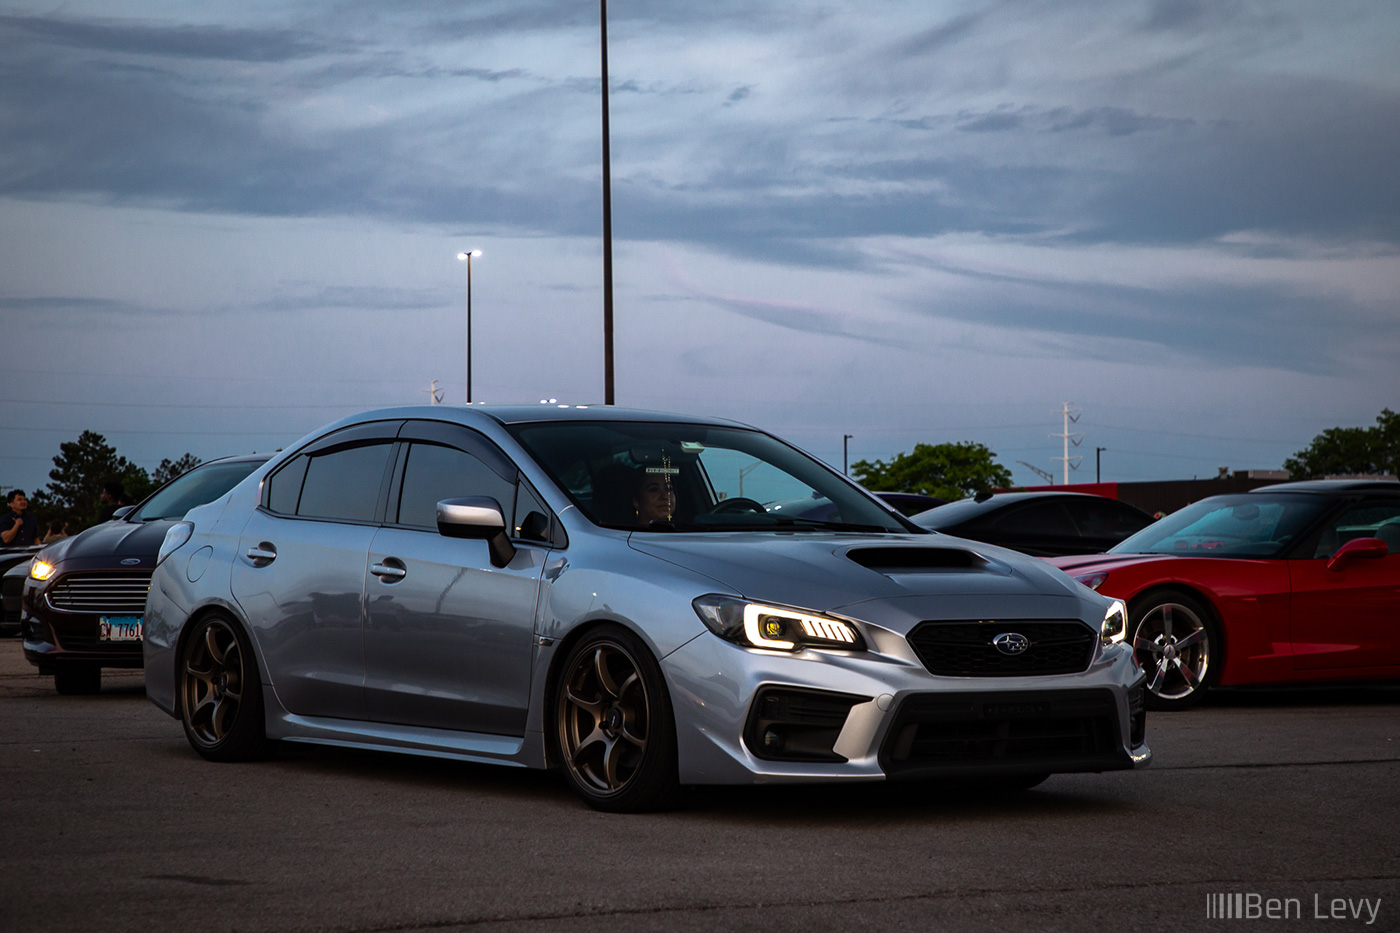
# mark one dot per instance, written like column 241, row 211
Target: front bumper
column 900, row 721
column 53, row 637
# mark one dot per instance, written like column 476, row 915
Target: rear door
column 300, row 568
column 449, row 636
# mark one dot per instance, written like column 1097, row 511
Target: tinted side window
column 1373, row 519
column 284, row 488
column 1043, row 518
column 1105, row 519
column 433, row 473
column 344, row 484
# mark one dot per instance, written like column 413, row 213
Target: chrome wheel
column 213, row 682
column 613, row 725
column 1172, row 642
column 604, row 718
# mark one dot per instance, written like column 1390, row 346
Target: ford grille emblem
column 131, row 562
column 1011, row 643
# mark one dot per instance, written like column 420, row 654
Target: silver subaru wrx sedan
column 628, row 597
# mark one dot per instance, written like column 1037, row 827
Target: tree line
column 83, row 468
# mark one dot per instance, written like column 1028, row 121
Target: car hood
column 111, row 543
column 1095, row 563
column 952, row 578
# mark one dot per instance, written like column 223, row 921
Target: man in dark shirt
column 17, row 527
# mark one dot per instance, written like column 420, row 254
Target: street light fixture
column 468, row 257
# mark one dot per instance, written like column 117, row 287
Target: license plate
column 119, row 628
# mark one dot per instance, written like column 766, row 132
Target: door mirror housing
column 1357, row 549
column 478, row 517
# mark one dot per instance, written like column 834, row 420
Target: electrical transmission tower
column 1071, row 416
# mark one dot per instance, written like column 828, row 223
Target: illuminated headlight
column 40, row 569
column 175, row 538
column 1092, row 580
column 1115, row 623
column 777, row 627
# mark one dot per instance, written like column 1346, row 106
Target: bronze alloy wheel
column 220, row 692
column 616, row 740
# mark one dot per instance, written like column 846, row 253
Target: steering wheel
column 738, row 504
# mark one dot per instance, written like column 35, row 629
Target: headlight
column 40, row 569
column 777, row 627
column 1115, row 623
column 1092, row 580
column 175, row 538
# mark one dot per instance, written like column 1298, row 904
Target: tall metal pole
column 1098, row 464
column 845, row 438
column 608, row 396
column 469, row 328
column 467, row 255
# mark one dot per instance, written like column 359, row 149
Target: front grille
column 965, row 649
column 1063, row 730
column 102, row 592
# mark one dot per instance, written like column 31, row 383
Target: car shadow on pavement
column 1305, row 695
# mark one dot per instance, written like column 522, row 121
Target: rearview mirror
column 478, row 517
column 1357, row 549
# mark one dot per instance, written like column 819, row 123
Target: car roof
column 1009, row 498
column 524, row 414
column 1333, row 486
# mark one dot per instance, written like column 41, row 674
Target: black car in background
column 824, row 510
column 1042, row 524
column 85, row 595
column 14, row 565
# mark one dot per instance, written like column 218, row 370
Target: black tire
column 78, row 679
column 1177, row 641
column 614, row 731
column 221, row 693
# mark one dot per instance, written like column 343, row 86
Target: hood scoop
column 903, row 560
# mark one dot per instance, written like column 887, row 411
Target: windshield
column 200, row 485
column 691, row 477
column 1228, row 526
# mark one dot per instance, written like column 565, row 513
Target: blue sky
column 225, row 225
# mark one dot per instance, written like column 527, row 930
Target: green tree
column 81, row 469
column 169, row 469
column 1351, row 450
column 949, row 471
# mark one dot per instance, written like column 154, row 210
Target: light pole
column 845, row 440
column 1098, row 464
column 468, row 257
column 608, row 396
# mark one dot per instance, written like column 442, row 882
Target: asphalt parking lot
column 110, row 822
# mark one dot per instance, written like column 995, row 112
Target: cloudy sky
column 903, row 220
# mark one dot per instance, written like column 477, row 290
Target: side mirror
column 1357, row 549
column 122, row 512
column 478, row 517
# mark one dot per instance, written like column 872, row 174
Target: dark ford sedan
column 1042, row 524
column 84, row 598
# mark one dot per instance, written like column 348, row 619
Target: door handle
column 388, row 572
column 263, row 553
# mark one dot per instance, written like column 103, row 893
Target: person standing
column 17, row 527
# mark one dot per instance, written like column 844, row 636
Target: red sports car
column 1298, row 582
